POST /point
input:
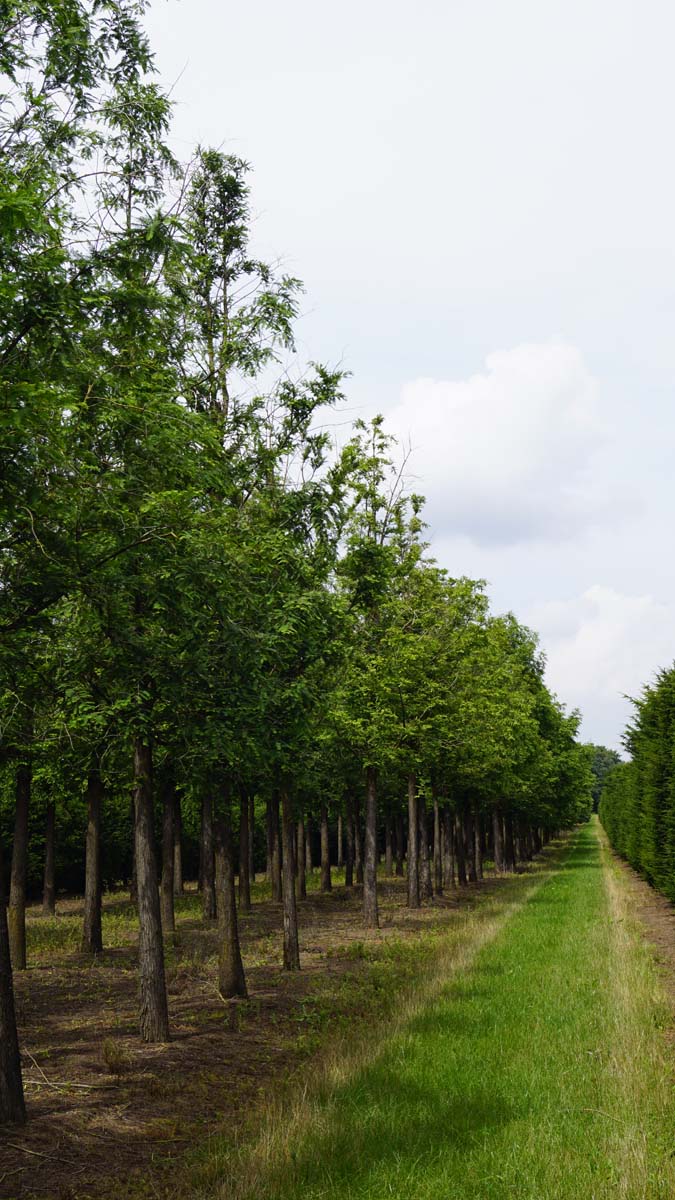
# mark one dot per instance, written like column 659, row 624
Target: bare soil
column 123, row 1133
column 657, row 915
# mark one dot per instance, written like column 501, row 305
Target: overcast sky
column 480, row 198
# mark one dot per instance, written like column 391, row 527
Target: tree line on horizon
column 218, row 630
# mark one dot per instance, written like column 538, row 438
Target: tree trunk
column 426, row 889
column 268, row 839
column 459, row 850
column 291, row 943
column 470, row 843
column 49, row 881
column 509, row 844
column 231, row 978
column 12, row 1108
column 413, row 856
column 277, row 893
column 208, row 863
column 168, row 848
column 448, row 856
column 349, row 830
column 92, row 936
column 358, row 842
column 177, row 847
column 154, row 1014
column 244, row 835
column 438, row 853
column 16, row 913
column 301, row 860
column 370, row 914
column 478, row 843
column 388, row 848
column 133, row 890
column 326, row 884
column 340, row 856
column 251, row 838
column 498, row 840
column 309, row 862
column 400, row 848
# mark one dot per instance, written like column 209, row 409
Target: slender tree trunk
column 301, row 859
column 269, row 839
column 154, row 1014
column 426, row 889
column 400, row 848
column 92, row 937
column 326, row 884
column 177, row 847
column 413, row 839
column 208, row 862
column 277, row 891
column 291, row 941
column 388, row 848
column 12, row 1107
column 478, row 844
column 244, row 835
column 309, row 862
column 349, row 829
column 498, row 840
column 16, row 913
column 133, row 890
column 49, row 881
column 370, row 913
column 231, row 978
column 438, row 853
column 459, row 850
column 509, row 844
column 358, row 841
column 470, row 843
column 168, row 851
column 448, row 856
column 251, row 837
column 340, row 855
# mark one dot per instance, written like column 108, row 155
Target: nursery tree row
column 218, row 630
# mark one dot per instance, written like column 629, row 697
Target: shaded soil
column 111, row 1118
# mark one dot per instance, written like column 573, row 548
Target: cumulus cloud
column 602, row 646
column 509, row 454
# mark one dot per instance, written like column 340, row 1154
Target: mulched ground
column 96, row 1134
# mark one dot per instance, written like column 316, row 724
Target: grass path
column 538, row 1071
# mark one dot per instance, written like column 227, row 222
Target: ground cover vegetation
column 637, row 804
column 221, row 637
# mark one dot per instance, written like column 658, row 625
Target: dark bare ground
column 93, row 1134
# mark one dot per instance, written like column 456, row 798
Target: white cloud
column 509, row 455
column 602, row 646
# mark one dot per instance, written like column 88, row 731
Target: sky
column 480, row 199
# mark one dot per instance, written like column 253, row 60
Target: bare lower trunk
column 168, row 847
column 358, row 842
column 49, row 880
column 244, row 835
column 291, row 942
column 370, row 914
column 349, row 857
column 448, row 846
column 12, row 1108
column 498, row 841
column 470, row 844
column 177, row 847
column 438, row 851
column 251, row 837
column 400, row 847
column 459, row 850
column 301, row 861
column 208, row 864
column 340, row 856
column 478, row 843
column 231, row 978
column 509, row 845
column 326, row 884
column 276, row 849
column 16, row 913
column 92, row 938
column 154, row 1014
column 268, row 839
column 426, row 890
column 413, row 839
column 388, row 848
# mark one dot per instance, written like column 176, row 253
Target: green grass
column 535, row 1071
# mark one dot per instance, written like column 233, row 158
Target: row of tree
column 205, row 607
column 637, row 806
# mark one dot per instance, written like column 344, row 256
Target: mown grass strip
column 535, row 1071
